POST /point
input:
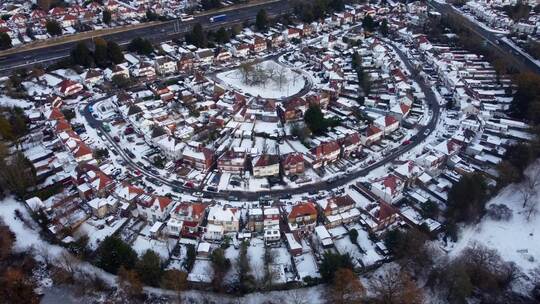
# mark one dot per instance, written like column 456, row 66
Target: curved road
column 422, row 134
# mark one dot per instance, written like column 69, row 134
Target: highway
column 156, row 33
column 492, row 38
column 423, row 133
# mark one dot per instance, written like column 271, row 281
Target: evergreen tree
column 100, row 52
column 115, row 52
column 53, row 28
column 261, row 21
column 149, row 268
column 384, row 28
column 106, row 18
column 5, row 41
column 114, row 253
column 81, row 55
column 197, row 36
column 222, row 36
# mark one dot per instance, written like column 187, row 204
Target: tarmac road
column 156, row 33
column 422, row 134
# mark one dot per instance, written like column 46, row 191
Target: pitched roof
column 303, row 209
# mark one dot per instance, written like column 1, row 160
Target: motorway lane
column 522, row 62
column 422, row 134
column 156, row 33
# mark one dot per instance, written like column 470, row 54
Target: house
column 325, row 153
column 271, row 237
column 128, row 193
column 117, row 70
column 68, row 88
column 259, row 44
column 200, row 158
column 351, row 143
column 165, row 65
column 154, row 208
column 400, row 111
column 302, row 218
column 266, row 165
column 271, row 218
column 408, row 172
column 233, row 161
column 371, row 135
column 146, row 70
column 222, row 56
column 223, row 216
column 387, row 124
column 255, row 220
column 205, row 56
column 389, row 188
column 191, row 215
column 292, row 33
column 92, row 77
column 101, row 207
column 186, row 62
column 338, row 210
column 240, row 50
column 293, row 164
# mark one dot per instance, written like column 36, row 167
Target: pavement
column 422, row 134
column 156, row 33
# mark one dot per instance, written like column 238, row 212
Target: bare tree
column 529, row 190
column 395, row 287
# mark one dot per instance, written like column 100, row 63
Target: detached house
column 389, row 188
column 255, row 220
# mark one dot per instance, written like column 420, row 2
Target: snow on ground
column 143, row 243
column 517, row 240
column 255, row 253
column 291, row 81
column 27, row 237
column 96, row 235
column 6, row 101
column 344, row 245
column 306, row 266
column 202, row 271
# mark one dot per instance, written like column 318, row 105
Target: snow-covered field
column 281, row 82
column 516, row 240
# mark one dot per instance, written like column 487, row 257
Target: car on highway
column 406, row 142
column 427, row 131
column 198, row 194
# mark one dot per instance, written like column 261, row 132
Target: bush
column 499, row 212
